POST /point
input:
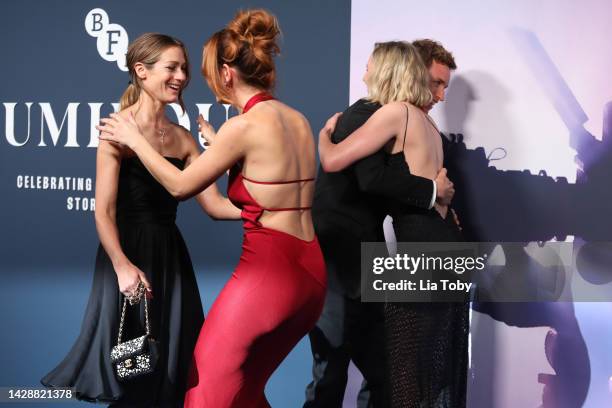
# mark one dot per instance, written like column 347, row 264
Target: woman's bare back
column 423, row 145
column 281, row 148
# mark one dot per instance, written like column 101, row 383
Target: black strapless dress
column 427, row 343
column 150, row 239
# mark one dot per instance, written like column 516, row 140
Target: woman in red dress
column 276, row 292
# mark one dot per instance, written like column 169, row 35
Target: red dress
column 273, row 299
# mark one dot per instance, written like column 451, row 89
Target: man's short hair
column 431, row 51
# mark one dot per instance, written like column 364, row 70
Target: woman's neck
column 242, row 95
column 149, row 112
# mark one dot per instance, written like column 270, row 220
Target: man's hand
column 441, row 209
column 456, row 218
column 444, row 188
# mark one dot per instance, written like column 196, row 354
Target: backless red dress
column 272, row 300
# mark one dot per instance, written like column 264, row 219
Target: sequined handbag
column 136, row 357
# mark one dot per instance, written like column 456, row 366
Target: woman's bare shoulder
column 295, row 117
column 181, row 132
column 391, row 111
column 127, row 112
column 186, row 140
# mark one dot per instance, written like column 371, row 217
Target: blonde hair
column 398, row 74
column 147, row 49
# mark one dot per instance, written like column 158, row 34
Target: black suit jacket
column 348, row 206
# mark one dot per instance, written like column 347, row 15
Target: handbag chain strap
column 146, row 307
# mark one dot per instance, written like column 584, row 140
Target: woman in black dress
column 140, row 243
column 426, row 342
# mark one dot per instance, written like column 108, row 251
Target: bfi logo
column 112, row 40
column 43, row 124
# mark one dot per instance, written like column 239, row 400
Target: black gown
column 150, row 239
column 427, row 343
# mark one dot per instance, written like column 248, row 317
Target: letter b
column 95, row 21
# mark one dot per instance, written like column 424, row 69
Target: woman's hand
column 120, row 130
column 206, row 130
column 128, row 278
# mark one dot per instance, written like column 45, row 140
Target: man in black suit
column 347, row 210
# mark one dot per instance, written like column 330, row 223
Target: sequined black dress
column 427, row 343
column 150, row 239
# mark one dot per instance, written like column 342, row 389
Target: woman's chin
column 171, row 100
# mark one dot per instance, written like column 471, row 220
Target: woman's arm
column 108, row 164
column 369, row 138
column 202, row 172
column 216, row 205
column 211, row 200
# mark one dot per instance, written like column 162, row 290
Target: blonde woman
column 426, row 342
column 141, row 245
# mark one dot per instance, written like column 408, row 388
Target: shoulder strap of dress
column 405, row 127
column 432, row 123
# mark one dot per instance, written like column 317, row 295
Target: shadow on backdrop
column 517, row 206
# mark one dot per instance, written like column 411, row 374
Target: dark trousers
column 347, row 330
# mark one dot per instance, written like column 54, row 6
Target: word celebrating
column 413, row 264
column 54, row 183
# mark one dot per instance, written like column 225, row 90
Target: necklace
column 162, row 134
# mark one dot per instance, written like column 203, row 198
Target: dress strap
column 432, row 123
column 255, row 99
column 287, row 208
column 405, row 127
column 277, row 182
